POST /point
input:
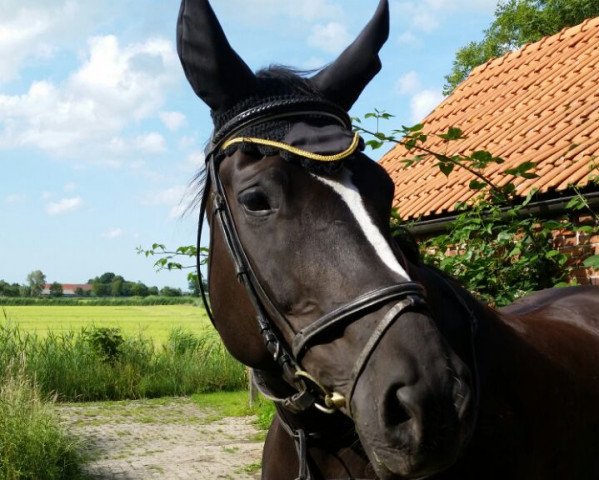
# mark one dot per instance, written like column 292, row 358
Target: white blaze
column 351, row 196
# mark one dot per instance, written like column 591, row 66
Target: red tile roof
column 539, row 104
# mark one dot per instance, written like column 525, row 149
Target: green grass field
column 153, row 321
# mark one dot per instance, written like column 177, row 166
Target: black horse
column 380, row 366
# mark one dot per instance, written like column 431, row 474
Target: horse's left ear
column 343, row 80
column 216, row 73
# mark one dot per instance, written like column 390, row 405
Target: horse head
column 300, row 239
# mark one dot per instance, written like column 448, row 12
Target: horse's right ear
column 344, row 79
column 216, row 73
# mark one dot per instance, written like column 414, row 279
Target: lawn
column 153, row 321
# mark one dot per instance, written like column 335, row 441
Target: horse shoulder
column 561, row 327
column 573, row 305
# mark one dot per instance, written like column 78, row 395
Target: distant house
column 539, row 104
column 68, row 289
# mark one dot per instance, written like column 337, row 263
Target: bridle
column 408, row 295
column 309, row 392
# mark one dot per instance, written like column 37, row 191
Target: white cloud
column 113, row 233
column 173, row 120
column 69, row 187
column 151, row 143
column 423, row 103
column 34, row 29
column 332, row 37
column 425, row 16
column 313, row 9
column 408, row 84
column 263, row 11
column 187, row 141
column 194, row 161
column 425, row 21
column 66, row 205
column 408, row 38
column 313, row 63
column 85, row 115
column 176, row 198
column 14, row 198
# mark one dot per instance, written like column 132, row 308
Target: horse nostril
column 395, row 411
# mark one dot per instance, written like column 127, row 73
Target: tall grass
column 33, row 446
column 102, row 364
column 97, row 301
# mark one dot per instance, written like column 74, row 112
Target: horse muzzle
column 413, row 405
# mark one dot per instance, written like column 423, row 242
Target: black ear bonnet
column 223, row 81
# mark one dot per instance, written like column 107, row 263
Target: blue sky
column 100, row 133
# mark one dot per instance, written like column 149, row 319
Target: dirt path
column 166, row 439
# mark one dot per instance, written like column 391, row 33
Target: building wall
column 579, row 246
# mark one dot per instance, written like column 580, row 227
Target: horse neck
column 521, row 384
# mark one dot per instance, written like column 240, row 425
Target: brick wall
column 578, row 247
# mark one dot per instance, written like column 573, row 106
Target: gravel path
column 166, row 439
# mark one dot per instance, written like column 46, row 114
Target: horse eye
column 254, row 200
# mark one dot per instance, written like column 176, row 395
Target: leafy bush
column 32, row 444
column 499, row 254
column 494, row 247
column 106, row 341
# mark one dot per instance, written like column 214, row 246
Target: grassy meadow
column 86, row 353
column 154, row 322
column 103, row 353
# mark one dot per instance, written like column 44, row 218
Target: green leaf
column 446, row 168
column 481, row 158
column 523, row 170
column 592, row 262
column 476, row 185
column 374, row 144
column 529, row 197
column 415, row 128
column 453, row 133
column 576, row 203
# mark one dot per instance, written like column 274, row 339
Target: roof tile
column 539, row 103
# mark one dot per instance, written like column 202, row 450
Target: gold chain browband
column 297, row 151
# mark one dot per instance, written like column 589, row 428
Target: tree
column 170, row 292
column 516, row 23
column 36, row 281
column 79, row 292
column 139, row 289
column 107, row 277
column 116, row 287
column 8, row 290
column 56, row 290
column 100, row 289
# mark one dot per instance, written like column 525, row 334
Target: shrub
column 103, row 364
column 32, row 443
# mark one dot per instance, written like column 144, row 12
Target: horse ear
column 344, row 80
column 216, row 73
